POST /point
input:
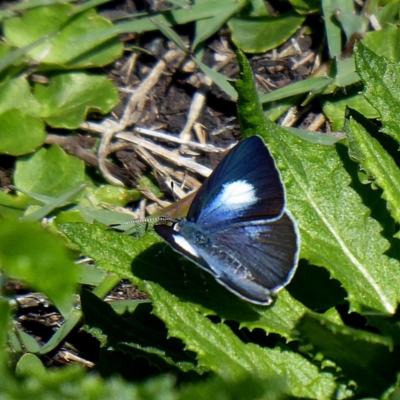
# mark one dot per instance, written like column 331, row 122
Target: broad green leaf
column 29, row 343
column 90, row 275
column 116, row 195
column 10, row 212
column 335, row 107
column 17, row 202
column 81, row 93
column 346, row 74
column 50, row 172
column 74, row 382
column 320, row 198
column 380, row 78
column 18, row 7
column 217, row 347
column 29, row 365
column 317, row 180
column 19, row 57
column 20, row 133
column 377, row 163
column 363, row 356
column 66, row 49
column 221, row 351
column 16, row 93
column 247, row 387
column 256, row 8
column 385, row 42
column 5, row 323
column 140, row 334
column 257, row 35
column 306, row 6
column 351, row 22
column 389, row 13
column 39, row 259
column 332, row 28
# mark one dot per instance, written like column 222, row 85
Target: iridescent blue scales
column 237, row 227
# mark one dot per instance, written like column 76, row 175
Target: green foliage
column 332, row 333
column 65, row 28
column 249, row 33
column 29, row 253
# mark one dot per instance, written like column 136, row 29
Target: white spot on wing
column 185, row 245
column 234, row 197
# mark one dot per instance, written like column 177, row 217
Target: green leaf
column 16, row 94
column 332, row 28
column 49, row 171
column 140, row 334
column 306, row 6
column 380, row 78
column 67, row 48
column 40, row 259
column 335, row 107
column 224, row 353
column 317, row 180
column 20, row 133
column 389, row 13
column 331, row 9
column 116, row 195
column 378, row 164
column 29, row 343
column 200, row 10
column 217, row 347
column 249, row 33
column 30, row 365
column 81, row 93
column 114, row 252
column 325, row 139
column 302, row 87
column 250, row 112
column 346, row 74
column 71, row 320
column 318, row 194
column 5, row 323
column 207, row 27
column 53, row 204
column 363, row 356
column 385, row 42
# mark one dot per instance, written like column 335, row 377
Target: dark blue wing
column 268, row 254
column 252, row 260
column 246, row 185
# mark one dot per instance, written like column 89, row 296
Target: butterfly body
column 237, row 228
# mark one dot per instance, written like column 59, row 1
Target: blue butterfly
column 237, row 228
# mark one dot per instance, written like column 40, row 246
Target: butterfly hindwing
column 245, row 185
column 251, row 260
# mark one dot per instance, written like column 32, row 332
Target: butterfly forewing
column 245, row 185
